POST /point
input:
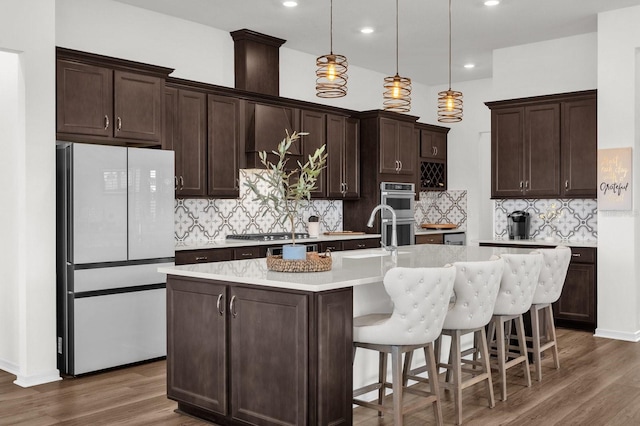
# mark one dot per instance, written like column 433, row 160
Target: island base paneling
column 241, row 354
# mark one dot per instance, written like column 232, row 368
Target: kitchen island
column 251, row 346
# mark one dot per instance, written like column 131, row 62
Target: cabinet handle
column 521, row 185
column 362, row 245
column 575, row 254
column 400, row 164
column 220, row 305
column 106, row 122
column 175, row 183
column 181, row 183
column 118, row 123
column 232, row 307
column 201, row 258
column 566, row 184
column 246, row 254
column 435, row 150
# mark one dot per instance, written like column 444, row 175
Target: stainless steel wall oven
column 401, row 198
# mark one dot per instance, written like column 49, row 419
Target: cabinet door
column 577, row 301
column 407, row 153
column 430, row 239
column 314, row 123
column 197, row 343
column 223, row 146
column 507, row 152
column 352, row 158
column 137, row 106
column 388, row 146
column 191, row 144
column 579, row 148
column 336, row 156
column 433, row 145
column 269, row 343
column 542, row 150
column 170, row 118
column 84, row 98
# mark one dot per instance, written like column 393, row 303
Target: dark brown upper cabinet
column 343, row 161
column 432, row 149
column 544, row 147
column 579, row 148
column 108, row 100
column 224, row 146
column 314, row 123
column 266, row 127
column 186, row 133
column 395, row 155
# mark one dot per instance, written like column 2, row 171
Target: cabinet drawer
column 430, row 239
column 361, row 244
column 330, row 245
column 189, row 257
column 246, row 252
column 583, row 255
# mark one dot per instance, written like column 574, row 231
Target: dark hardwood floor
column 598, row 384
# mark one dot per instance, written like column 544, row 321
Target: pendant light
column 449, row 101
column 397, row 90
column 331, row 75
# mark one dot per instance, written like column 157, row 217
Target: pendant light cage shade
column 331, row 76
column 449, row 106
column 397, row 94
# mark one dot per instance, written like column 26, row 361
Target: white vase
column 294, row 252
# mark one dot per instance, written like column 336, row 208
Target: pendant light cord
column 397, row 55
column 449, row 44
column 331, row 28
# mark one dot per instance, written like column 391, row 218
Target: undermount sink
column 365, row 255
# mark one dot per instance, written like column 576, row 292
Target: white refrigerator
column 115, row 221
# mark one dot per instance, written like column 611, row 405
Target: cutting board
column 343, row 233
column 438, row 226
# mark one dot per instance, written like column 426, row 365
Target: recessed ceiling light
column 468, row 66
column 492, row 2
column 289, row 3
column 366, row 30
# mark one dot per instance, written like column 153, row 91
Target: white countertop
column 349, row 268
column 592, row 244
column 218, row 244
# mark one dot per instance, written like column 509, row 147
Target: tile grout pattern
column 577, row 221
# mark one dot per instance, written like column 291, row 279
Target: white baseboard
column 28, row 381
column 618, row 335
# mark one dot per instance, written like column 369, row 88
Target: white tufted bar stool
column 555, row 264
column 475, row 288
column 518, row 284
column 421, row 298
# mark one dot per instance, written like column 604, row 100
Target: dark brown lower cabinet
column 576, row 307
column 246, row 355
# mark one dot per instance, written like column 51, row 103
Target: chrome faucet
column 393, row 247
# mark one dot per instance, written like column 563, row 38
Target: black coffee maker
column 518, row 225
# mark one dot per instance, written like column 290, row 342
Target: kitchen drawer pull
column 200, row 258
column 119, row 123
column 246, row 254
column 106, row 122
column 575, row 254
column 362, row 245
column 232, row 307
column 220, row 305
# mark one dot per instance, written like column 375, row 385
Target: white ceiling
column 423, row 28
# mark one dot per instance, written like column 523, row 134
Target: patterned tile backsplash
column 200, row 220
column 205, row 220
column 442, row 207
column 574, row 219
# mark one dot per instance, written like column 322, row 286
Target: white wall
column 10, row 166
column 618, row 121
column 28, row 29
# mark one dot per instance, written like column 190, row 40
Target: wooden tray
column 343, row 233
column 438, row 226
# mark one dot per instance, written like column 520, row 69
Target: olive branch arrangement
column 287, row 188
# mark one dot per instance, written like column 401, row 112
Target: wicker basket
column 314, row 263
